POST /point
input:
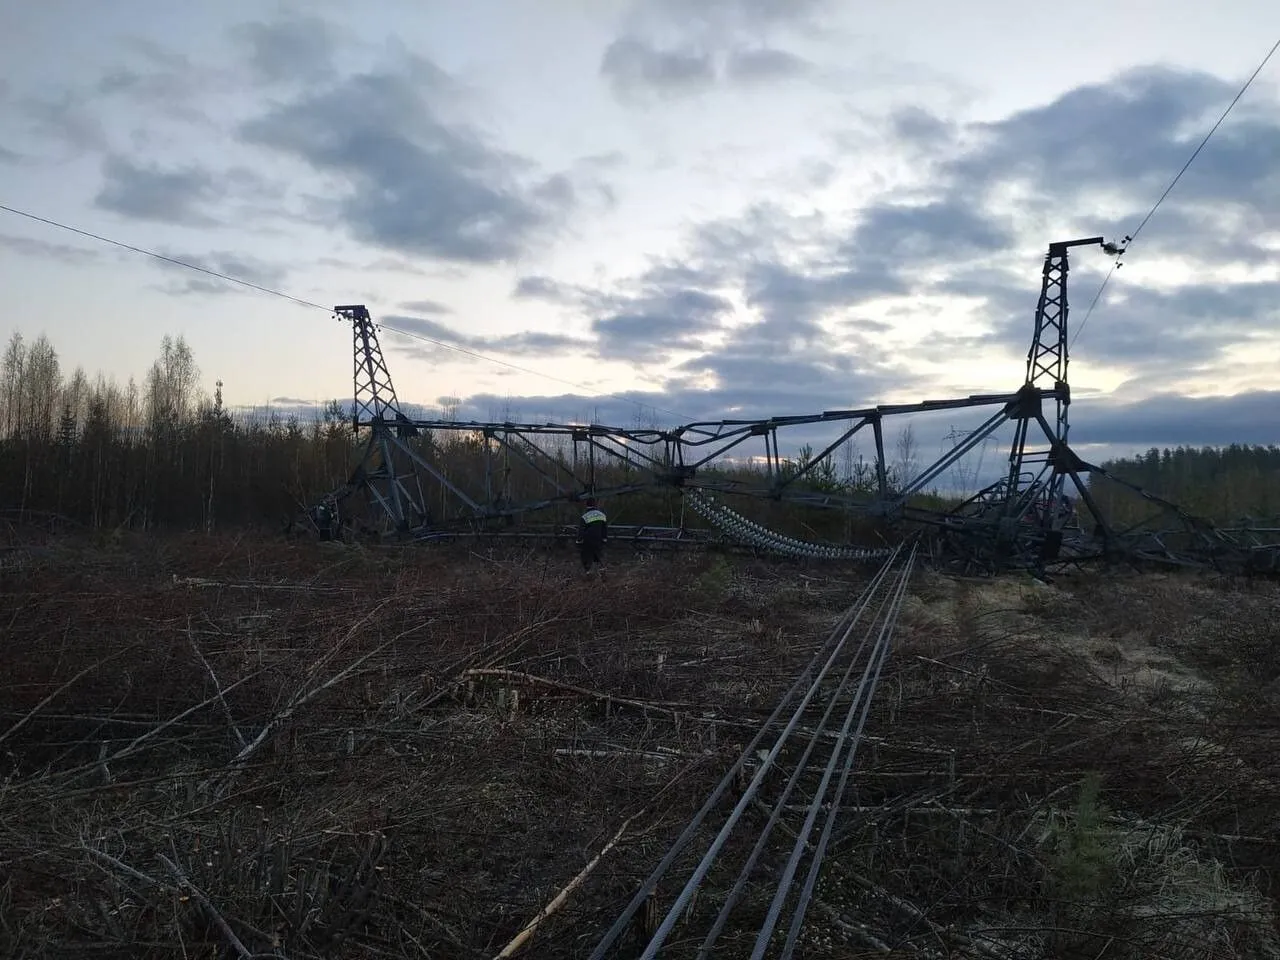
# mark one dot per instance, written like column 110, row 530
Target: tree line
column 1219, row 483
column 161, row 453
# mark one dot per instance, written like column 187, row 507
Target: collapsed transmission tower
column 1042, row 512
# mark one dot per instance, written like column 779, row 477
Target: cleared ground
column 222, row 747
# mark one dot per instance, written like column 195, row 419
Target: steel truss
column 1041, row 513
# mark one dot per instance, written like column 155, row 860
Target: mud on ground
column 323, row 750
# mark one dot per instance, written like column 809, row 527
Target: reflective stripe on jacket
column 594, row 516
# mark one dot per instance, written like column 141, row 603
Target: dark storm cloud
column 759, row 385
column 152, row 193
column 1174, row 330
column 415, row 183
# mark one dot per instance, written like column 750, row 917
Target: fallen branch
column 226, row 707
column 298, row 702
column 857, row 931
column 132, row 747
column 661, row 706
column 594, row 754
column 556, row 902
column 53, row 696
column 503, row 648
column 209, row 908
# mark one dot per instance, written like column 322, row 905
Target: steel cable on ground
column 685, row 897
column 831, row 648
column 744, row 875
column 833, row 809
column 861, row 697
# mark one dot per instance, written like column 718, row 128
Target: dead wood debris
column 354, row 753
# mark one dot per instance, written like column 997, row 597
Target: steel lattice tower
column 1037, row 471
column 375, row 395
column 386, row 473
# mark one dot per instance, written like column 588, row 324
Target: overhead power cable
column 316, row 306
column 160, row 256
column 1174, row 182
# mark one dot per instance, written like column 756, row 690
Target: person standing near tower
column 593, row 534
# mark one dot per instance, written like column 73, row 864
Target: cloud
column 416, row 332
column 44, row 250
column 1128, row 137
column 631, row 65
column 425, row 306
column 670, row 48
column 920, row 235
column 731, row 18
column 66, row 119
column 666, row 309
column 410, row 181
column 541, row 288
column 765, row 64
column 789, row 312
column 151, row 193
column 240, row 266
column 158, row 79
column 298, row 49
column 637, row 68
column 1092, row 162
column 661, row 318
column 1168, row 419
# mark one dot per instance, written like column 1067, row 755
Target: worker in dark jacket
column 593, row 534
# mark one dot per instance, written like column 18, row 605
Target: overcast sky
column 720, row 207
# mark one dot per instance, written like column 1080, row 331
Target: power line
column 161, row 256
column 1212, row 130
column 308, row 303
column 1174, row 182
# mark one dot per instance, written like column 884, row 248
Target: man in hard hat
column 593, row 534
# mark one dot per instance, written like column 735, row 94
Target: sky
column 707, row 208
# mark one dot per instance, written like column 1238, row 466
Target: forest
column 1220, row 483
column 161, row 454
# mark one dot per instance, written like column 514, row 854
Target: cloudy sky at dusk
column 718, row 207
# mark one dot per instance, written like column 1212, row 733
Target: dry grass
column 220, row 747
